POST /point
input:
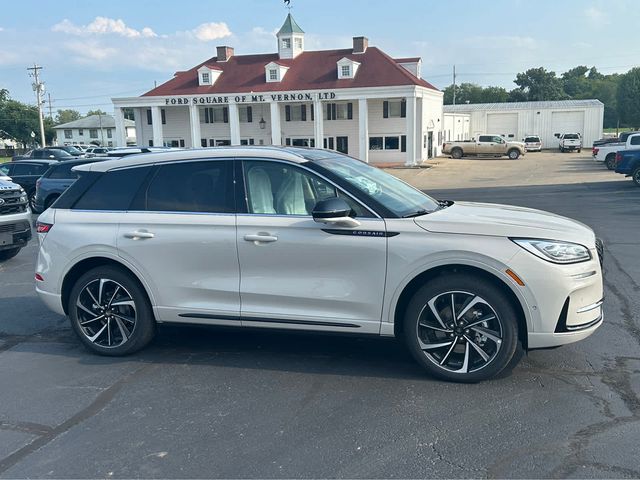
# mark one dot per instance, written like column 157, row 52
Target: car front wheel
column 514, row 154
column 461, row 328
column 110, row 312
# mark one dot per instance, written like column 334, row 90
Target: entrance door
column 342, row 144
column 295, row 271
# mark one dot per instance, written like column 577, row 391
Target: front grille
column 14, row 227
column 600, row 249
column 11, row 202
column 11, row 209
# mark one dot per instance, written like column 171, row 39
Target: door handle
column 261, row 238
column 139, row 234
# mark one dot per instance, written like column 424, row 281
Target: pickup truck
column 628, row 163
column 493, row 145
column 15, row 219
column 607, row 153
column 570, row 141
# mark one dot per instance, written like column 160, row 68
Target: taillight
column 39, row 277
column 42, row 227
column 618, row 157
column 595, row 150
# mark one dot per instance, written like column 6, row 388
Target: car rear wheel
column 610, row 161
column 635, row 176
column 7, row 254
column 461, row 328
column 456, row 153
column 110, row 312
column 514, row 154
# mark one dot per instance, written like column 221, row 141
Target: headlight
column 555, row 251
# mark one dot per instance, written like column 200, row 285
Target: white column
column 121, row 132
column 194, row 120
column 363, row 122
column 234, row 124
column 156, row 120
column 276, row 131
column 138, row 115
column 318, row 123
column 411, row 131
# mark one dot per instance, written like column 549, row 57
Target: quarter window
column 197, row 187
column 113, row 190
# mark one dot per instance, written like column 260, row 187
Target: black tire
column 456, row 153
column 418, row 333
column 7, row 254
column 579, row 150
column 610, row 161
column 561, row 150
column 635, row 176
column 514, row 154
column 32, row 202
column 138, row 334
column 50, row 201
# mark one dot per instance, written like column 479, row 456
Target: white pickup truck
column 570, row 142
column 607, row 153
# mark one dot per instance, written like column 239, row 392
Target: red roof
column 308, row 71
column 407, row 60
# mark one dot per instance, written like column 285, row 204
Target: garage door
column 505, row 124
column 567, row 122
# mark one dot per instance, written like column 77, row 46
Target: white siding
column 505, row 124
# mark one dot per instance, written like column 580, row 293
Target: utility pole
column 454, row 84
column 50, row 109
column 38, row 87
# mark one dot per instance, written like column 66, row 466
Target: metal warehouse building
column 518, row 119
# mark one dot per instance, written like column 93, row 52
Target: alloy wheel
column 106, row 313
column 459, row 332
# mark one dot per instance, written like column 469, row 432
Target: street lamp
column 262, row 123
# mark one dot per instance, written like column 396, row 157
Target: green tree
column 472, row 93
column 538, row 84
column 95, row 112
column 494, row 95
column 66, row 116
column 575, row 82
column 628, row 97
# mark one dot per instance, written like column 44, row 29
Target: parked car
column 628, row 164
column 309, row 239
column 25, row 173
column 607, row 153
column 97, row 152
column 533, row 143
column 15, row 219
column 605, row 141
column 46, row 153
column 570, row 142
column 493, row 145
column 124, row 151
column 70, row 149
column 54, row 182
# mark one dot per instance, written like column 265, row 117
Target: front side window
column 193, row 187
column 4, row 169
column 113, row 190
column 28, row 169
column 498, row 140
column 282, row 189
column 396, row 196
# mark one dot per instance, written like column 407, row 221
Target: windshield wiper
column 416, row 214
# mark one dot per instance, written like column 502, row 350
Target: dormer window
column 286, row 43
column 347, row 68
column 275, row 72
column 208, row 74
column 298, row 42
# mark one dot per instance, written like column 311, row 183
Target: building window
column 149, row 117
column 68, row 134
column 109, row 133
column 80, row 132
column 93, row 133
column 216, row 115
column 300, row 142
column 338, row 111
column 247, row 141
column 286, row 43
column 298, row 43
column 392, row 142
column 296, row 113
column 394, row 109
column 376, row 143
column 273, row 74
column 346, row 71
column 109, row 144
column 212, row 142
column 203, row 142
column 164, row 116
column 245, row 114
column 206, row 78
column 223, row 143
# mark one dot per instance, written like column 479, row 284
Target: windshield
column 398, row 197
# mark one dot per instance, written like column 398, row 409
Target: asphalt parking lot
column 209, row 402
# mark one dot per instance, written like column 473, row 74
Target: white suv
column 307, row 239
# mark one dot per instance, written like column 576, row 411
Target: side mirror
column 52, row 157
column 334, row 211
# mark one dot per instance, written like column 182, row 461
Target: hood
column 8, row 184
column 505, row 221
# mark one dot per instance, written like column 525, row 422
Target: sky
column 92, row 51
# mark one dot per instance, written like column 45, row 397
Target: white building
column 518, row 119
column 355, row 100
column 94, row 129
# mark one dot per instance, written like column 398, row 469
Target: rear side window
column 62, row 172
column 199, row 187
column 485, row 138
column 113, row 190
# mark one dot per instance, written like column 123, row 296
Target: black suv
column 46, row 153
column 25, row 173
column 55, row 181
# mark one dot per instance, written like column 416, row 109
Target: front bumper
column 14, row 234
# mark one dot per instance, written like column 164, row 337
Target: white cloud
column 90, row 51
column 102, row 26
column 211, row 31
column 596, row 16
